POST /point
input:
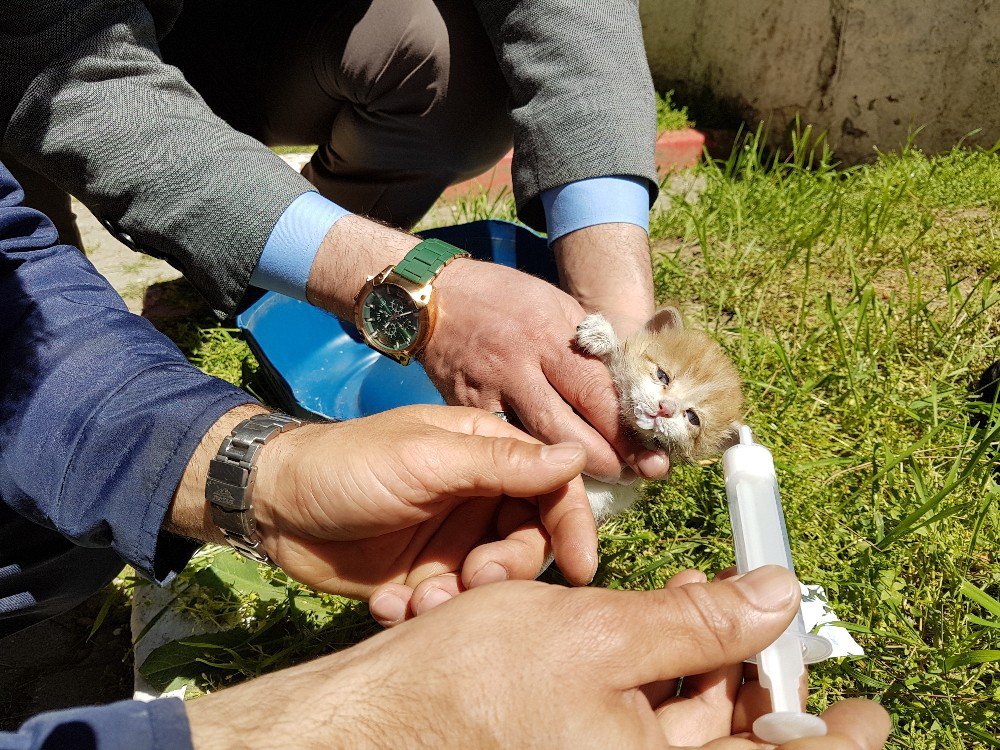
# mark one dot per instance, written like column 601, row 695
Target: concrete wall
column 866, row 71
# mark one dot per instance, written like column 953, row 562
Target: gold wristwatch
column 395, row 310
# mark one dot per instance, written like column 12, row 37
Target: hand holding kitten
column 503, row 343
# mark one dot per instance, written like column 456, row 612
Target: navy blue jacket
column 99, row 415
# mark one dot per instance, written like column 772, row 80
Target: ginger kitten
column 677, row 391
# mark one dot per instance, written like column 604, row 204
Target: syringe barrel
column 760, row 538
column 758, row 524
column 759, row 532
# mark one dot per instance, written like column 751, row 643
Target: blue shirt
column 288, row 255
column 99, row 416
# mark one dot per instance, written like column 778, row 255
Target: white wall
column 866, row 71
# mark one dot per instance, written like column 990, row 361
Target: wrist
column 354, row 249
column 457, row 281
column 607, row 268
column 248, row 716
column 189, row 514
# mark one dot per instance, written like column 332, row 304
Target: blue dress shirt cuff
column 127, row 725
column 597, row 200
column 291, row 248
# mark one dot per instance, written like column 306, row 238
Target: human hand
column 607, row 269
column 715, row 704
column 503, row 342
column 419, row 492
column 525, row 664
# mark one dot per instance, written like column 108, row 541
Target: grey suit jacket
column 86, row 100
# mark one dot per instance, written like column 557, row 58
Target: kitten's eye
column 692, row 417
column 662, row 376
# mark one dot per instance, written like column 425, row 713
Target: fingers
column 586, row 385
column 545, row 415
column 389, row 603
column 464, row 528
column 520, row 554
column 704, row 710
column 471, row 465
column 710, row 625
column 572, row 530
column 657, row 692
column 518, row 469
column 852, row 724
column 395, row 603
column 434, row 591
column 685, row 577
column 754, row 699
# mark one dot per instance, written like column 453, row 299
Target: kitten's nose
column 667, row 408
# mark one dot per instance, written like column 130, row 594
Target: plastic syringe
column 760, row 538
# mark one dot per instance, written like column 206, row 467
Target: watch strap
column 230, row 483
column 426, row 259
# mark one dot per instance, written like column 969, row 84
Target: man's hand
column 416, row 494
column 524, row 664
column 503, row 341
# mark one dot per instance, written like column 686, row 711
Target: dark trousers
column 42, row 573
column 404, row 97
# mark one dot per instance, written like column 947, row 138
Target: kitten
column 677, row 391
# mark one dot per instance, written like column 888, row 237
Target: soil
column 55, row 665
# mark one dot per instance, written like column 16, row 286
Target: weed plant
column 859, row 305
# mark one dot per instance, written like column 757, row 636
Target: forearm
column 607, row 268
column 101, row 412
column 331, row 703
column 354, row 249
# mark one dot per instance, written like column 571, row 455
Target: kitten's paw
column 596, row 336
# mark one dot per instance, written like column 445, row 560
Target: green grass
column 303, row 149
column 859, row 305
column 669, row 114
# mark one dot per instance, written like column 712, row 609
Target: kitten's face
column 677, row 389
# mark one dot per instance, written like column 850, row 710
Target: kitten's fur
column 703, row 386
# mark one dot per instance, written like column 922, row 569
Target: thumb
column 701, row 626
column 492, row 466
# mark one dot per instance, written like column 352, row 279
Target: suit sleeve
column 581, row 93
column 87, row 101
column 126, row 725
column 100, row 413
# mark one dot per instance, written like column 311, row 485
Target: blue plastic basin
column 314, row 363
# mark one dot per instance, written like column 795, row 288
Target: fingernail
column 433, row 598
column 491, row 572
column 652, row 465
column 770, row 588
column 387, row 608
column 561, row 454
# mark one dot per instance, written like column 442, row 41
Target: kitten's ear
column 667, row 316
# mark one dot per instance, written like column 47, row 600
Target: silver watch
column 231, row 476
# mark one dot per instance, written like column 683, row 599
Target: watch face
column 390, row 317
